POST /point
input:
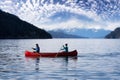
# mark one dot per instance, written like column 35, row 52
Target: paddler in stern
column 65, row 47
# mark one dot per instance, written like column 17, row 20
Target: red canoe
column 54, row 54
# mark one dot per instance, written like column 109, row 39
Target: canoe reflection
column 37, row 64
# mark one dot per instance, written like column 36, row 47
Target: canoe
column 51, row 54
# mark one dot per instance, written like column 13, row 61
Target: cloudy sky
column 55, row 14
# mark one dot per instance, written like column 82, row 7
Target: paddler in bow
column 37, row 49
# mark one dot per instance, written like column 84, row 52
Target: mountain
column 90, row 33
column 83, row 33
column 11, row 27
column 61, row 34
column 114, row 34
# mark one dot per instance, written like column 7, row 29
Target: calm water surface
column 98, row 59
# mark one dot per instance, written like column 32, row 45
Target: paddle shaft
column 57, row 53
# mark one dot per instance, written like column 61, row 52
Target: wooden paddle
column 58, row 51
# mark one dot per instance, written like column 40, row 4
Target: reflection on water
column 37, row 64
column 61, row 60
column 53, row 68
column 96, row 60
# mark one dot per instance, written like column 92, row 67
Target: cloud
column 53, row 14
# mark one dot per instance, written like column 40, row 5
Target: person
column 37, row 49
column 65, row 48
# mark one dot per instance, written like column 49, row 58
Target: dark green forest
column 11, row 27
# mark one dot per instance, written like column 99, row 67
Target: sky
column 66, row 14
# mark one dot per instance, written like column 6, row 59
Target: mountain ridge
column 61, row 34
column 114, row 34
column 14, row 28
column 83, row 33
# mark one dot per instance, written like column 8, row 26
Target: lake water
column 98, row 59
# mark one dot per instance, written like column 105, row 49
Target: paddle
column 59, row 51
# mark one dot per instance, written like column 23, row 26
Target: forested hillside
column 11, row 27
